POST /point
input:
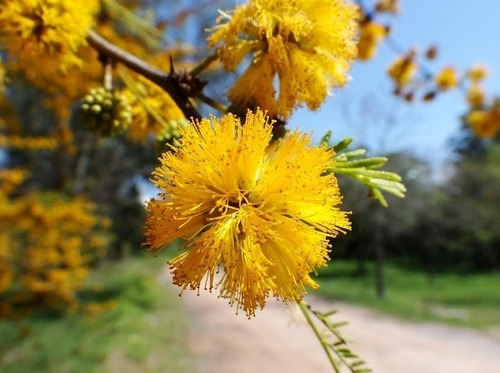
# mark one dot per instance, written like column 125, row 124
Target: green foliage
column 467, row 300
column 450, row 226
column 355, row 164
column 333, row 341
column 144, row 333
column 470, row 211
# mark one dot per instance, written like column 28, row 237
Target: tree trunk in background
column 379, row 263
column 431, row 264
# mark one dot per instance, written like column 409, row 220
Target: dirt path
column 278, row 340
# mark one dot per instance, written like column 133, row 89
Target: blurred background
column 79, row 294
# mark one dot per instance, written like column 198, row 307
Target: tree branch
column 169, row 82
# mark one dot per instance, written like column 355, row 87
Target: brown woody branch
column 172, row 83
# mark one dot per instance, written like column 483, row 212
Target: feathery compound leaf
column 329, row 313
column 325, row 140
column 335, row 344
column 356, row 164
column 368, row 163
column 337, row 148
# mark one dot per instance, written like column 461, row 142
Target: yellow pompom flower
column 484, row 124
column 476, row 96
column 403, row 70
column 446, row 79
column 28, row 142
column 10, row 179
column 478, row 72
column 46, row 31
column 308, row 45
column 371, row 34
column 388, row 6
column 263, row 212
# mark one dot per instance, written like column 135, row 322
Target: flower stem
column 203, row 65
column 213, row 103
column 304, row 307
column 108, row 75
column 340, row 347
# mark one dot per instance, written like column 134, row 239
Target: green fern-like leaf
column 355, row 164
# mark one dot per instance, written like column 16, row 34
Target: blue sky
column 466, row 32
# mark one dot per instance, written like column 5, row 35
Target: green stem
column 305, row 310
column 338, row 335
column 211, row 102
column 203, row 65
column 321, row 318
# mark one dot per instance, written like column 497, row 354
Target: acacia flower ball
column 485, row 123
column 478, row 73
column 476, row 96
column 402, row 70
column 371, row 35
column 388, row 6
column 261, row 212
column 447, row 79
column 305, row 45
column 46, row 31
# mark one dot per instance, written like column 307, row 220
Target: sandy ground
column 278, row 340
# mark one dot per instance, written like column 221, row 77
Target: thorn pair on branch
column 181, row 86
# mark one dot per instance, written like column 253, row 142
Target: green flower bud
column 105, row 112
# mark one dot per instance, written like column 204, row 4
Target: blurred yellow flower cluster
column 371, row 35
column 485, row 122
column 10, row 179
column 478, row 73
column 5, row 263
column 28, row 142
column 96, row 308
column 153, row 112
column 476, row 95
column 447, row 78
column 2, row 77
column 388, row 6
column 301, row 48
column 484, row 113
column 47, row 31
column 403, row 72
column 263, row 212
column 50, row 245
column 403, row 69
column 52, row 33
column 62, row 88
column 372, row 32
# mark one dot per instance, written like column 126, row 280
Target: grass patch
column 471, row 300
column 145, row 332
